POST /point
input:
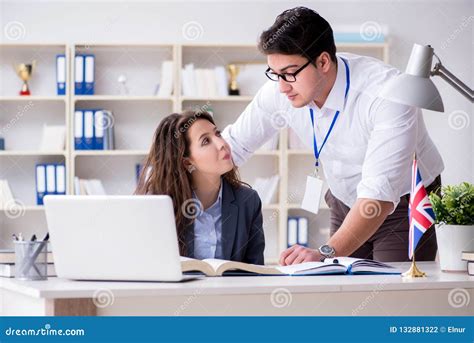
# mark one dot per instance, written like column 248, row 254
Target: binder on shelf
column 88, row 121
column 292, row 231
column 138, row 171
column 79, row 130
column 50, row 179
column 79, row 75
column 98, row 139
column 60, row 179
column 40, row 183
column 89, row 74
column 61, row 74
column 303, row 231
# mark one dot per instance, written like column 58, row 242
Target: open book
column 339, row 265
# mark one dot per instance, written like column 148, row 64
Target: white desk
column 386, row 295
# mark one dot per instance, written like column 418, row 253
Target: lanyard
column 315, row 145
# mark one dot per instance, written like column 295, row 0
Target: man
column 366, row 144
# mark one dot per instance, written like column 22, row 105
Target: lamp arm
column 457, row 84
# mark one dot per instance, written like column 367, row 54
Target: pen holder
column 31, row 260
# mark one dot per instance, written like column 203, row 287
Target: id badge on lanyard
column 314, row 184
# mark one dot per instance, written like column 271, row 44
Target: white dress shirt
column 370, row 150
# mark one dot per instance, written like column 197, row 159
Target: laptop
column 123, row 238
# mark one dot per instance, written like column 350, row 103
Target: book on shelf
column 339, row 265
column 251, row 77
column 165, row 88
column 469, row 257
column 266, row 188
column 53, row 138
column 204, row 82
column 88, row 187
column 6, row 195
column 8, row 270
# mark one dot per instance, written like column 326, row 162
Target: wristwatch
column 326, row 251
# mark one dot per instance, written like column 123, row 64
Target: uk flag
column 420, row 212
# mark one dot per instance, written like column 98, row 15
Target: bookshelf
column 136, row 116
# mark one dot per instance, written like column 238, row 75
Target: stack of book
column 469, row 257
column 199, row 82
column 7, row 263
column 88, row 187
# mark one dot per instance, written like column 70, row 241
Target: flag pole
column 413, row 272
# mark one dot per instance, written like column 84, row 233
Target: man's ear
column 323, row 62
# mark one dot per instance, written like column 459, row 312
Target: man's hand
column 298, row 254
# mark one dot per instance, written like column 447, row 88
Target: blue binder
column 79, row 75
column 99, row 132
column 60, row 179
column 79, row 130
column 88, row 120
column 40, row 176
column 61, row 74
column 50, row 178
column 89, row 74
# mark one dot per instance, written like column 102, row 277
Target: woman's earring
column 191, row 168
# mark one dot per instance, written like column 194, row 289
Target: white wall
column 446, row 25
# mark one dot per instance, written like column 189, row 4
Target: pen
column 33, row 238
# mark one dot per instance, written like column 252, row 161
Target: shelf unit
column 137, row 115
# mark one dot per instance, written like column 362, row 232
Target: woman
column 217, row 215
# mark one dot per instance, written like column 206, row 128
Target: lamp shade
column 414, row 87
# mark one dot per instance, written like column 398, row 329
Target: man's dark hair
column 299, row 31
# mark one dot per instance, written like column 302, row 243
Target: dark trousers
column 390, row 242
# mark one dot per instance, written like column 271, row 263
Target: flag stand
column 413, row 271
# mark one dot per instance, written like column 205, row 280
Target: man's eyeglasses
column 288, row 77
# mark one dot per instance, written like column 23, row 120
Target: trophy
column 24, row 72
column 233, row 70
